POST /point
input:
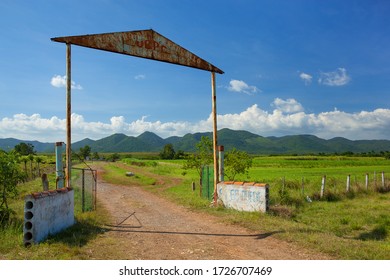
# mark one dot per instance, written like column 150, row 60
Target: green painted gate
column 208, row 182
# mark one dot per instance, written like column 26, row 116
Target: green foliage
column 85, row 152
column 113, row 157
column 236, row 162
column 203, row 155
column 168, row 152
column 10, row 175
column 24, row 149
column 95, row 156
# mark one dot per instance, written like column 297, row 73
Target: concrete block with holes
column 47, row 213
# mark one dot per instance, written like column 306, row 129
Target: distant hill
column 9, row 143
column 240, row 139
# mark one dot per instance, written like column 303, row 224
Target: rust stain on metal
column 142, row 43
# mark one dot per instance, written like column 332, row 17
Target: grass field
column 344, row 226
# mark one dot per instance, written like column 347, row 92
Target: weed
column 282, row 211
column 379, row 233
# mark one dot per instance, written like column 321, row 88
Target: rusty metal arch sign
column 147, row 44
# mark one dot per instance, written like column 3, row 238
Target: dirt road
column 145, row 226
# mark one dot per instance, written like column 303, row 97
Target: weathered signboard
column 244, row 196
column 142, row 43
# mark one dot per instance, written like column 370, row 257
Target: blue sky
column 291, row 67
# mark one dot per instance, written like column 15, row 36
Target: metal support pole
column 215, row 142
column 68, row 115
column 221, row 163
column 59, row 167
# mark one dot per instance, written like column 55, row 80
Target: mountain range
column 242, row 140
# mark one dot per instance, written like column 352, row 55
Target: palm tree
column 39, row 160
column 25, row 159
column 31, row 158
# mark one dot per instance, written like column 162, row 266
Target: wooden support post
column 215, row 141
column 366, row 181
column 348, row 183
column 68, row 115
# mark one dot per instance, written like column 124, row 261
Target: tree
column 168, row 152
column 25, row 160
column 236, row 162
column 85, row 152
column 180, row 154
column 203, row 156
column 39, row 160
column 24, row 149
column 114, row 157
column 10, row 175
column 95, row 156
column 31, row 158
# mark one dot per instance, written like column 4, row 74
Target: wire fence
column 84, row 182
column 288, row 189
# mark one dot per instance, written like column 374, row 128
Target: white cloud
column 287, row 118
column 241, row 86
column 306, row 78
column 287, row 106
column 140, row 77
column 60, row 81
column 334, row 78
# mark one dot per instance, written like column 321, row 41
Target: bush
column 382, row 189
column 282, row 211
column 5, row 216
column 287, row 199
column 328, row 196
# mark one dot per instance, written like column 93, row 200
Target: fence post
column 95, row 189
column 303, row 185
column 383, row 179
column 323, row 186
column 348, row 183
column 366, row 181
column 375, row 179
column 45, row 182
column 82, row 191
